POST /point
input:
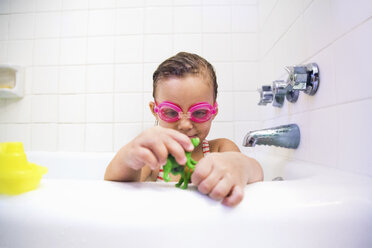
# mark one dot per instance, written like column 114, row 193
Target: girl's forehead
column 184, row 91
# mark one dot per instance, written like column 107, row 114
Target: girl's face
column 185, row 92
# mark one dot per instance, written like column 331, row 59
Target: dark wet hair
column 183, row 64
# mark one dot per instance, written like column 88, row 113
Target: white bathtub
column 74, row 207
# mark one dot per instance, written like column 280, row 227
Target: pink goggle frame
column 199, row 112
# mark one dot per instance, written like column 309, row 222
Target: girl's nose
column 185, row 124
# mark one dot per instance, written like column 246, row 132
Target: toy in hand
column 184, row 170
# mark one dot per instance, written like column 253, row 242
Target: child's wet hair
column 183, row 64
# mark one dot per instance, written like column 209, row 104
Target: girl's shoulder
column 222, row 145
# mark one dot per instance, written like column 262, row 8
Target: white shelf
column 13, row 76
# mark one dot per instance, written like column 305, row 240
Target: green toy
column 184, row 170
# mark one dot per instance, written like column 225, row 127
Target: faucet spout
column 287, row 136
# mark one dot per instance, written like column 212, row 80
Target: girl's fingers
column 222, row 189
column 182, row 139
column 161, row 153
column 207, row 185
column 147, row 157
column 163, row 145
column 235, row 197
column 160, row 142
column 176, row 150
column 202, row 171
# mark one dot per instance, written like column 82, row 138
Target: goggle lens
column 168, row 114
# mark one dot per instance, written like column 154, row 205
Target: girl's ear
column 152, row 108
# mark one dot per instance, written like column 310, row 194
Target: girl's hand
column 152, row 147
column 223, row 176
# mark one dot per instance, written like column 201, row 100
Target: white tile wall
column 129, row 107
column 44, row 137
column 3, row 51
column 20, row 52
column 99, row 108
column 244, row 47
column 71, row 137
column 352, row 53
column 73, row 51
column 74, row 5
column 4, row 25
column 320, row 29
column 224, row 73
column 129, row 49
column 221, row 130
column 100, row 50
column 217, row 42
column 247, row 15
column 89, row 65
column 72, row 108
column 217, row 19
column 126, row 3
column 48, row 5
column 225, row 107
column 157, row 47
column 45, row 80
column 100, row 78
column 74, row 23
column 128, row 78
column 129, row 21
column 337, row 36
column 44, row 108
column 47, row 25
column 101, row 22
column 246, row 108
column 355, row 137
column 97, row 4
column 16, row 111
column 22, row 6
column 89, row 68
column 46, row 51
column 21, row 26
column 16, row 133
column 72, row 79
column 182, row 21
column 188, row 42
column 148, row 70
column 4, row 6
column 99, row 137
column 245, row 76
column 158, row 20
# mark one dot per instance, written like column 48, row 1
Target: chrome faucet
column 287, row 136
column 300, row 78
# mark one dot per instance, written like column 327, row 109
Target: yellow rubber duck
column 17, row 175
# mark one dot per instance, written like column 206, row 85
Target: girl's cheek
column 168, row 125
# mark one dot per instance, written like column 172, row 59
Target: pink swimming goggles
column 199, row 112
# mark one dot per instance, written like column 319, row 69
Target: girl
column 185, row 92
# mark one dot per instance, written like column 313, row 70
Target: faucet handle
column 266, row 95
column 280, row 89
column 297, row 77
column 304, row 77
